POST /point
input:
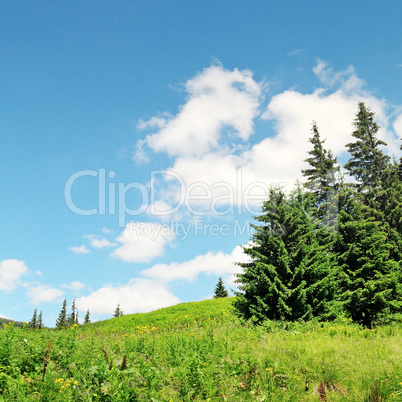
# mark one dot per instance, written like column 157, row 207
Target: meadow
column 201, row 351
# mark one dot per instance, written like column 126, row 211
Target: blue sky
column 138, row 138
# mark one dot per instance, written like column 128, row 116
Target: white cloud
column 295, row 52
column 106, row 230
column 348, row 79
column 79, row 250
column 3, row 316
column 76, row 285
column 276, row 159
column 398, row 126
column 137, row 296
column 10, row 272
column 43, row 293
column 154, row 122
column 39, row 273
column 143, row 241
column 101, row 243
column 210, row 263
column 218, row 101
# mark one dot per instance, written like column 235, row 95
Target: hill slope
column 200, row 351
column 180, row 315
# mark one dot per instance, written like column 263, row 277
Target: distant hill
column 178, row 316
column 7, row 321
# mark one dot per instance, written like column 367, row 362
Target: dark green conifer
column 72, row 316
column 370, row 284
column 367, row 162
column 34, row 322
column 323, row 177
column 118, row 312
column 40, row 321
column 289, row 276
column 87, row 320
column 61, row 321
column 220, row 290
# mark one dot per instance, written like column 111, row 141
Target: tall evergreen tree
column 220, row 290
column 322, row 177
column 76, row 318
column 400, row 163
column 87, row 320
column 367, row 162
column 71, row 319
column 118, row 312
column 370, row 284
column 40, row 321
column 33, row 323
column 388, row 208
column 289, row 276
column 61, row 321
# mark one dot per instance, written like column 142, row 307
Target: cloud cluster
column 219, row 102
column 206, row 139
column 142, row 241
column 43, row 294
column 10, row 273
column 212, row 263
column 137, row 296
column 79, row 250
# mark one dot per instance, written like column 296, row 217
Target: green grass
column 200, row 351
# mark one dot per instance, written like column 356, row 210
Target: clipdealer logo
column 197, row 198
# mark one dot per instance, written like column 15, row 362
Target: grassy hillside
column 200, row 351
column 7, row 321
column 179, row 316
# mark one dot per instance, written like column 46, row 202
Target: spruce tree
column 367, row 162
column 40, row 321
column 370, row 280
column 289, row 276
column 322, row 178
column 61, row 321
column 400, row 164
column 71, row 318
column 87, row 319
column 33, row 323
column 388, row 208
column 220, row 290
column 118, row 312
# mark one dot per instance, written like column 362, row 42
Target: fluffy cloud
column 398, row 126
column 76, row 285
column 142, row 241
column 43, row 293
column 210, row 263
column 10, row 272
column 214, row 162
column 79, row 250
column 101, row 243
column 218, row 101
column 137, row 296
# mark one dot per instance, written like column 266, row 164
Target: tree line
column 64, row 319
column 333, row 245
